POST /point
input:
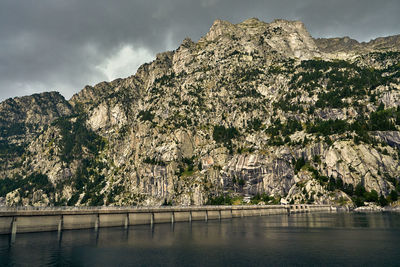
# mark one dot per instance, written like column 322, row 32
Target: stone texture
column 158, row 126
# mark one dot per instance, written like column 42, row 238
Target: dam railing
column 38, row 219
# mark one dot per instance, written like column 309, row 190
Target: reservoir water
column 319, row 239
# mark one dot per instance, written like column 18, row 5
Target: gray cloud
column 64, row 45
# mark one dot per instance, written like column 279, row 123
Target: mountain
column 21, row 120
column 348, row 45
column 252, row 110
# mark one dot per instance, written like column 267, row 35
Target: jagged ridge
column 250, row 109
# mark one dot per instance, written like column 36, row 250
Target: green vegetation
column 154, row 161
column 7, row 185
column 225, row 135
column 358, row 194
column 381, row 120
column 343, row 80
column 316, row 175
column 167, row 202
column 220, row 200
column 384, row 120
column 278, row 130
column 254, row 124
column 8, row 129
column 88, row 179
column 327, row 127
column 76, row 136
column 12, row 129
column 165, row 80
column 331, row 83
column 393, row 196
column 285, row 105
column 299, row 164
column 317, row 159
column 35, row 181
column 74, row 199
column 115, row 191
column 224, row 199
column 7, row 149
column 361, row 195
column 187, row 167
column 248, row 92
column 146, row 115
column 265, row 198
column 249, row 74
column 241, row 182
column 383, row 56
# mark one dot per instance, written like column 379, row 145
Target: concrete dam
column 31, row 219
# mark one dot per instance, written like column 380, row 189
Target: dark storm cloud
column 64, row 44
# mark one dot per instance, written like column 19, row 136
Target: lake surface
column 302, row 240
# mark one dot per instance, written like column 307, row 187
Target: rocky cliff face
column 347, row 46
column 254, row 109
column 22, row 119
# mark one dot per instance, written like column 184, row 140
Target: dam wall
column 31, row 219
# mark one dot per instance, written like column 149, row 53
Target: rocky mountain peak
column 34, row 109
column 252, row 109
column 220, row 28
column 252, row 21
column 22, row 119
column 338, row 44
column 293, row 39
column 350, row 47
column 289, row 38
column 385, row 43
column 187, row 42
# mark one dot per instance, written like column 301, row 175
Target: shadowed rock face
column 289, row 38
column 40, row 109
column 250, row 108
column 348, row 45
column 22, row 119
column 344, row 44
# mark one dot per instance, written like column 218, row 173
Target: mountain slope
column 22, row 119
column 253, row 109
column 346, row 44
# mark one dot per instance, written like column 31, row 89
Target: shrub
column 393, row 196
column 317, row 159
column 220, row 200
column 35, row 181
column 372, row 196
column 167, row 202
column 146, row 115
column 154, row 161
column 262, row 197
column 359, row 190
column 328, row 127
column 254, row 124
column 7, row 185
column 358, row 201
column 383, row 201
column 348, row 189
column 381, row 120
column 74, row 198
column 224, row 135
column 75, row 136
column 299, row 164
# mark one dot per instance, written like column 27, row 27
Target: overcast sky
column 63, row 45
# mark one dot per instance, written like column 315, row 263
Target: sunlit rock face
column 251, row 108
